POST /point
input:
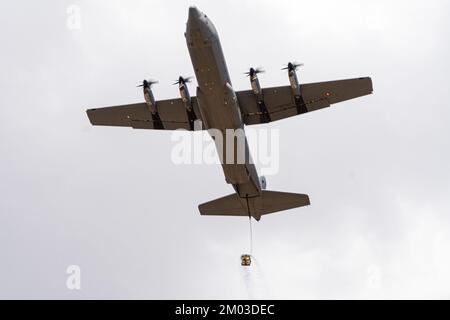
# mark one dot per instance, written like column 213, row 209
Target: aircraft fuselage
column 217, row 100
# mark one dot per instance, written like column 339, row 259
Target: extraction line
column 250, row 222
column 251, row 236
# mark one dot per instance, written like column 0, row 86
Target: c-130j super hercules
column 218, row 106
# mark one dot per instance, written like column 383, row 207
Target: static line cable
column 251, row 236
column 250, row 223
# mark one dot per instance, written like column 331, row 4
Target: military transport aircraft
column 218, row 106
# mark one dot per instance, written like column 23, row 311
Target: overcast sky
column 111, row 201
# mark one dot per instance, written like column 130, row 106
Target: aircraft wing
column 171, row 115
column 280, row 103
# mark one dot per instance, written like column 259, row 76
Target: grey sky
column 111, row 201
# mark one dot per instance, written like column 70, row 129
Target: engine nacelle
column 294, row 82
column 256, row 87
column 263, row 182
column 150, row 100
column 295, row 87
column 254, row 82
column 185, row 96
column 184, row 92
column 148, row 95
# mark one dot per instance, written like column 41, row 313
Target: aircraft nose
column 194, row 13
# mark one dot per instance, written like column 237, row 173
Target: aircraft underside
column 218, row 106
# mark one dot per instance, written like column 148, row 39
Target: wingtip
column 371, row 84
column 89, row 115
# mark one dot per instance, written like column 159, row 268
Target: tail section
column 268, row 202
column 226, row 206
column 274, row 201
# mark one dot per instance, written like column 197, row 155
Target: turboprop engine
column 148, row 95
column 292, row 68
column 186, row 98
column 184, row 91
column 253, row 74
column 256, row 88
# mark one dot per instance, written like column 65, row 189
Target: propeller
column 252, row 72
column 292, row 66
column 148, row 83
column 182, row 80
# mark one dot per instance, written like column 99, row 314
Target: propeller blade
column 292, row 66
column 148, row 83
column 260, row 70
column 182, row 80
column 252, row 71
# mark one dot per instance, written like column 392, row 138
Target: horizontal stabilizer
column 226, row 206
column 268, row 202
column 274, row 201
